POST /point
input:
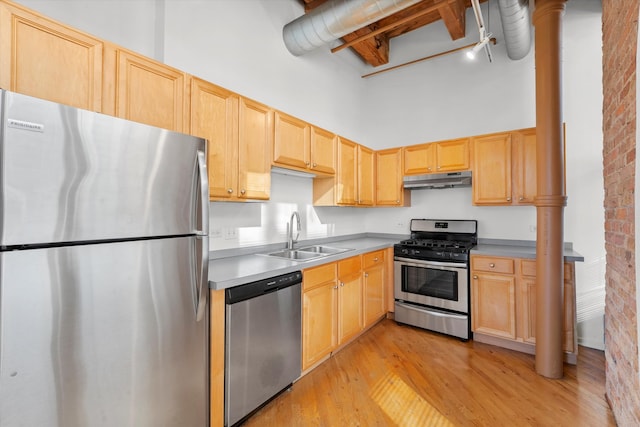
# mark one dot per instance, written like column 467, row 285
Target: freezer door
column 103, row 335
column 69, row 175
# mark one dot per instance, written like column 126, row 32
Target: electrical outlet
column 230, row 233
column 215, row 233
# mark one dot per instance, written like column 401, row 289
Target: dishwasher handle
column 247, row 291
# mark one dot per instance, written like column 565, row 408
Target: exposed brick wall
column 620, row 31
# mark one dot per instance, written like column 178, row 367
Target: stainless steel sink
column 325, row 250
column 307, row 253
column 295, row 255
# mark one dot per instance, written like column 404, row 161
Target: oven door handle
column 431, row 264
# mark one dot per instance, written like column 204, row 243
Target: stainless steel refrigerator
column 103, row 270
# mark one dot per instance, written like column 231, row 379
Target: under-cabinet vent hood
column 438, row 180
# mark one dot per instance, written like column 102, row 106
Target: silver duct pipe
column 516, row 26
column 334, row 19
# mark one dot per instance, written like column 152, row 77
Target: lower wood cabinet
column 373, row 283
column 319, row 313
column 503, row 295
column 339, row 300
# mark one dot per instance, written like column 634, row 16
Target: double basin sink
column 307, row 253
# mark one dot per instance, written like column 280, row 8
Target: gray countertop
column 518, row 249
column 240, row 268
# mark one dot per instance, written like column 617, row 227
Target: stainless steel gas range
column 431, row 276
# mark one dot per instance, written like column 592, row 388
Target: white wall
column 238, row 45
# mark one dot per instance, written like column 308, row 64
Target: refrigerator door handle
column 203, row 237
column 203, row 282
column 204, row 193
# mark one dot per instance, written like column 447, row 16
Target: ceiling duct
column 334, row 19
column 516, row 26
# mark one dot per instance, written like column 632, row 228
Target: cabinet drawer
column 372, row 258
column 492, row 264
column 349, row 266
column 316, row 276
column 528, row 268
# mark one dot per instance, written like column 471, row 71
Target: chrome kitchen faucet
column 290, row 239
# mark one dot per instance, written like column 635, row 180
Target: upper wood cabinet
column 291, row 143
column 389, row 187
column 45, row 59
column 146, row 91
column 347, row 172
column 239, row 139
column 340, row 189
column 255, row 139
column 443, row 156
column 492, row 169
column 301, row 146
column 323, row 151
column 366, row 176
column 524, row 166
column 214, row 116
column 504, row 168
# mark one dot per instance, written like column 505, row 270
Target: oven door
column 432, row 283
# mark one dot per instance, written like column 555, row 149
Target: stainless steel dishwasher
column 263, row 347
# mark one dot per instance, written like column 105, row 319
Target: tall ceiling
column 371, row 43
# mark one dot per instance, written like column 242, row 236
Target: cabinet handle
column 492, row 265
column 398, row 202
column 508, row 199
column 306, row 163
column 366, row 274
column 243, row 191
column 375, row 259
column 341, row 283
column 475, row 277
column 438, row 167
column 335, row 287
column 521, row 198
column 429, row 168
column 315, row 164
column 230, row 190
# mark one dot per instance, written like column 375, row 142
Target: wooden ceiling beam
column 373, row 49
column 394, row 24
column 453, row 14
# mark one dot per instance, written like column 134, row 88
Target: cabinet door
column 528, row 315
column 291, row 142
column 389, row 178
column 492, row 170
column 366, row 189
column 319, row 324
column 347, row 172
column 214, row 116
column 349, row 307
column 494, row 305
column 150, row 92
column 255, row 139
column 452, row 155
column 524, row 173
column 374, row 301
column 419, row 159
column 45, row 59
column 323, row 151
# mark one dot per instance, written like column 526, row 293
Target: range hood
column 438, row 180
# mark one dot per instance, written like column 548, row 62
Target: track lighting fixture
column 471, row 54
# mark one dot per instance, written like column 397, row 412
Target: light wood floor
column 405, row 376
